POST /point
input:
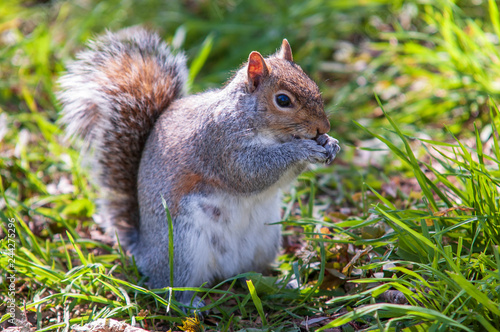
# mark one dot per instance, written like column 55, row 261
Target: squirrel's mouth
column 295, row 136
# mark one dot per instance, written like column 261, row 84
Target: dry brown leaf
column 453, row 208
column 358, row 255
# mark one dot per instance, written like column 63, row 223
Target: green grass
column 447, row 257
column 400, row 234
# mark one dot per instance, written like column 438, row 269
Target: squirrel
column 219, row 158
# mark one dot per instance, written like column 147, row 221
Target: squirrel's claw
column 331, row 145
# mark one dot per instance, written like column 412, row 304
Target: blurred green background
column 433, row 63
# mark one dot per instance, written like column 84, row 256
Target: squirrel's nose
column 324, row 126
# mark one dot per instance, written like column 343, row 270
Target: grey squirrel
column 219, row 158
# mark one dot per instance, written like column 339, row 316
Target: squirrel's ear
column 257, row 69
column 286, row 51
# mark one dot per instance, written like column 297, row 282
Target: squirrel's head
column 290, row 102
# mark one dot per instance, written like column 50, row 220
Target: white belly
column 235, row 234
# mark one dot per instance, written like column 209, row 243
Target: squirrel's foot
column 331, row 145
column 193, row 307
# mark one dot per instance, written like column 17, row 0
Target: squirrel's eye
column 283, row 100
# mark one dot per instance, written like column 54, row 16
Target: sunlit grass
column 351, row 242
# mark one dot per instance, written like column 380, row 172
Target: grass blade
column 257, row 302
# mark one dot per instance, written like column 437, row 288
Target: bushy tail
column 112, row 95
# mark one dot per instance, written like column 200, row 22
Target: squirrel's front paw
column 331, row 145
column 311, row 151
